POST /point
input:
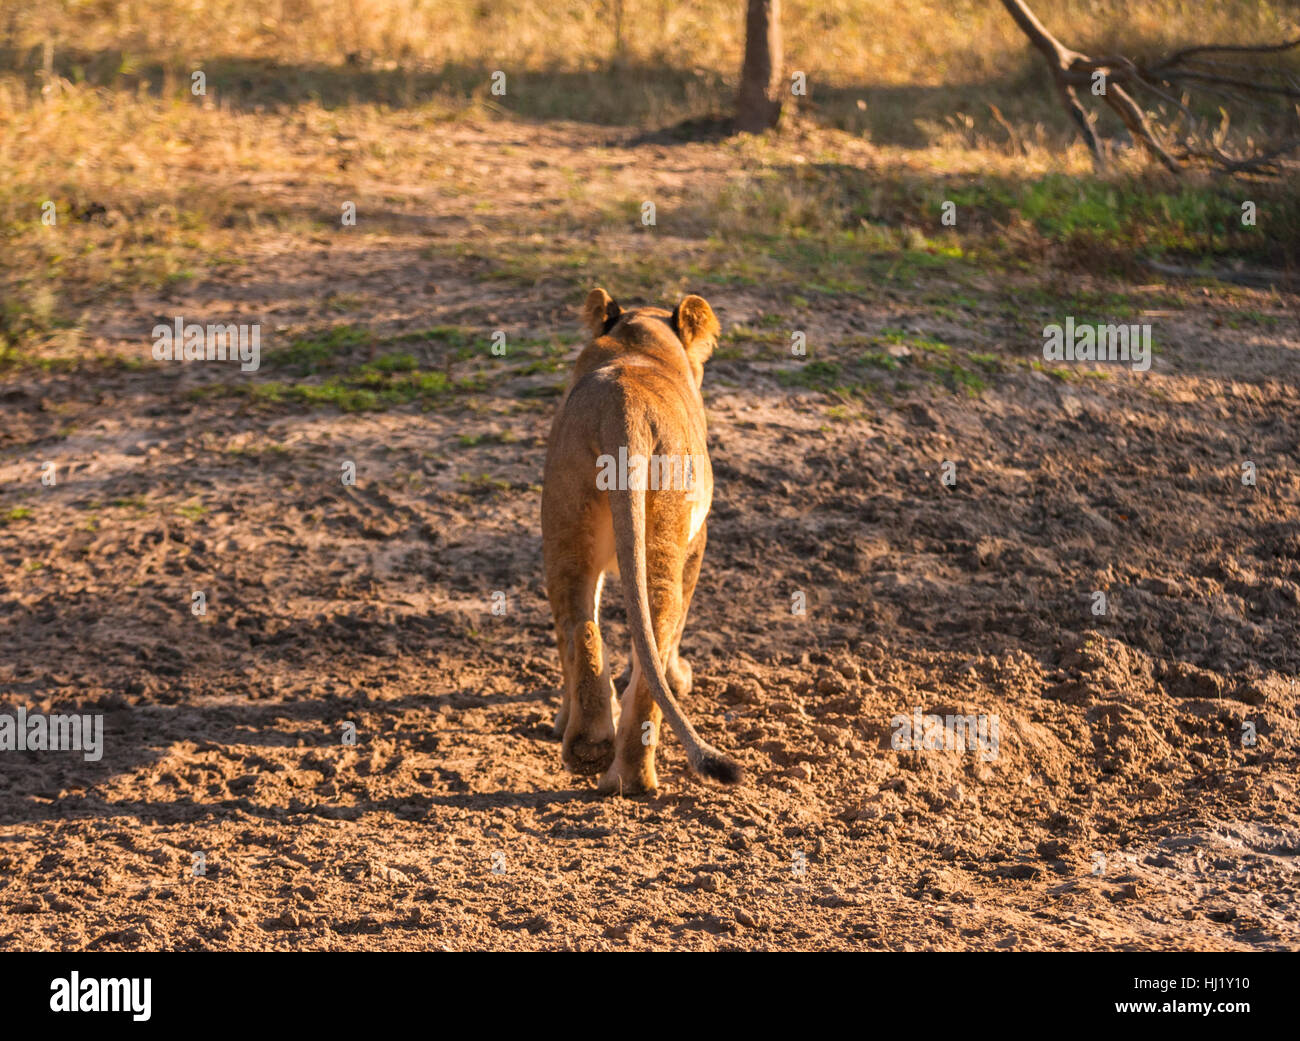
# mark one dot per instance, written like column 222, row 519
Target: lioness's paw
column 680, row 677
column 622, row 780
column 583, row 755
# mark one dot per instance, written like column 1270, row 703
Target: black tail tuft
column 716, row 765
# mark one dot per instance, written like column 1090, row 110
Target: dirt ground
column 1126, row 807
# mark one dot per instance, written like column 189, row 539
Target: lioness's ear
column 599, row 312
column 697, row 327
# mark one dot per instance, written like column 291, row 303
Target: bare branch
column 1264, row 48
column 1137, row 124
column 1263, row 88
column 1239, row 82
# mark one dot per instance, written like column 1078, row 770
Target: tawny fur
column 635, row 386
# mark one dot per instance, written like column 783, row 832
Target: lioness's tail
column 627, row 509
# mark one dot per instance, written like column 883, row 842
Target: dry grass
column 926, row 42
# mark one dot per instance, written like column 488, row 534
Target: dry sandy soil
column 1123, row 810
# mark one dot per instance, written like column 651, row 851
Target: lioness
column 627, row 490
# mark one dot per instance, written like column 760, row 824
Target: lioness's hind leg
column 579, row 543
column 573, row 584
column 566, row 690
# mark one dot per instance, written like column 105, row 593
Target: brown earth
column 1124, row 809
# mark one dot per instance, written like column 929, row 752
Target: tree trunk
column 758, row 104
